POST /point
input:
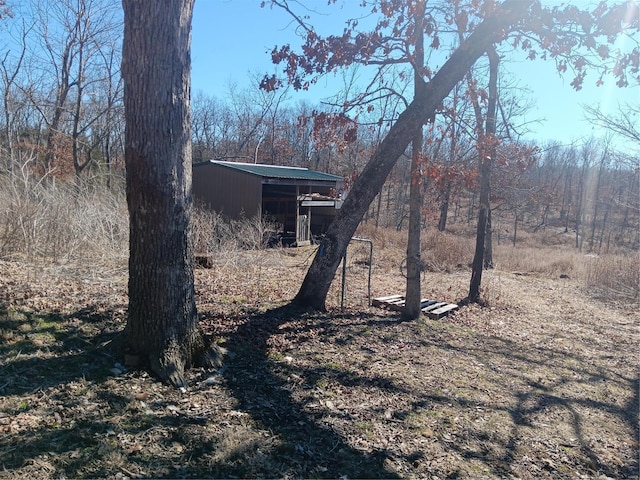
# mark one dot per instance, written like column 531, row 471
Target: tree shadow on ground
column 307, row 448
column 68, row 408
column 537, row 383
column 45, row 349
column 65, row 413
column 41, row 355
column 521, row 369
column 101, row 444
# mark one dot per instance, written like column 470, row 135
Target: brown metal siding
column 231, row 192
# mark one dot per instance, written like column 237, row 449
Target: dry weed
column 515, row 390
column 446, row 252
column 43, row 219
column 541, row 260
column 214, row 234
column 613, row 276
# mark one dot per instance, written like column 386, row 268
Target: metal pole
column 344, row 271
column 370, row 242
column 344, row 277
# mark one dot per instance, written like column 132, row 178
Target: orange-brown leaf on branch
column 578, row 81
column 4, row 10
column 600, row 9
column 349, row 179
column 280, row 54
column 334, row 129
column 579, row 63
column 270, row 83
column 351, row 134
column 562, row 66
column 634, row 60
column 616, row 18
column 603, row 51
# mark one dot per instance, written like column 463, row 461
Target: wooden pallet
column 432, row 308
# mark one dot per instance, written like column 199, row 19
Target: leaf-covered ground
column 541, row 384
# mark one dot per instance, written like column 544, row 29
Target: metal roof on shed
column 276, row 171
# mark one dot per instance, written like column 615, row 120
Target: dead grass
column 41, row 219
column 613, row 276
column 446, row 252
column 546, row 261
column 213, row 234
column 540, row 384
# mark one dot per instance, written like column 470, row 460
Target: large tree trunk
column 315, row 287
column 162, row 327
column 483, row 211
column 487, row 152
column 413, row 294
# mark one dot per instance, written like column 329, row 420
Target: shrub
column 613, row 276
column 213, row 234
column 41, row 218
column 445, row 252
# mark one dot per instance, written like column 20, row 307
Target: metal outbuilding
column 300, row 201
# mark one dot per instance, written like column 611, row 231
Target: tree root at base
column 170, row 364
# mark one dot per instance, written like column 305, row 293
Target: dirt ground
column 542, row 383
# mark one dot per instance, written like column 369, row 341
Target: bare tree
column 413, row 294
column 624, row 123
column 211, row 127
column 487, row 148
column 73, row 47
column 97, row 55
column 11, row 68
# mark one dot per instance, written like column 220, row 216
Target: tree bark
column 162, row 330
column 315, row 287
column 488, row 148
column 483, row 210
column 411, row 309
column 444, row 208
column 488, row 243
column 446, row 197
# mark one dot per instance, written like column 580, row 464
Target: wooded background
column 62, row 117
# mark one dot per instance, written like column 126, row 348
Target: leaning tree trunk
column 315, row 287
column 162, row 330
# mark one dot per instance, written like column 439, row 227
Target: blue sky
column 233, row 38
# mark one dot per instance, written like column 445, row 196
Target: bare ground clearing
column 541, row 384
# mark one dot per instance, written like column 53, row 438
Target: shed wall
column 227, row 191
